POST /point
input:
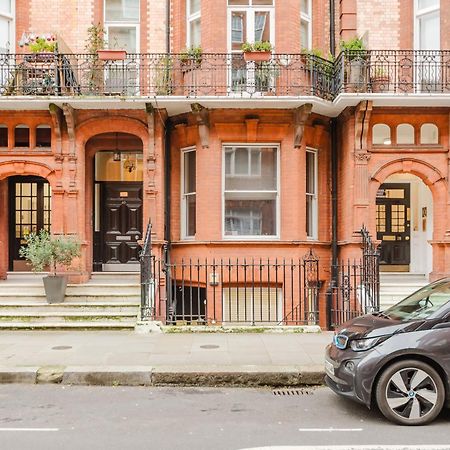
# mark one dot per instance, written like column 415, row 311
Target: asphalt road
column 65, row 417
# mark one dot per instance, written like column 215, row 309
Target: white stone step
column 82, row 325
column 110, row 298
column 69, row 315
column 67, row 308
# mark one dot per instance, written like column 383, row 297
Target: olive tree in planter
column 43, row 250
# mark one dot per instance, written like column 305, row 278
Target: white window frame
column 122, row 24
column 183, row 196
column 243, row 237
column 11, row 17
column 250, row 25
column 191, row 17
column 307, row 17
column 314, row 233
column 249, row 173
column 418, row 13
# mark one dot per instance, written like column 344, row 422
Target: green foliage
column 353, row 44
column 41, row 44
column 43, row 250
column 258, row 46
column 95, row 38
column 191, row 54
column 163, row 75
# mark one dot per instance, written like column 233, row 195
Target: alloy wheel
column 410, row 393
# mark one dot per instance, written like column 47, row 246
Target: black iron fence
column 225, row 74
column 238, row 291
column 210, row 74
column 357, row 290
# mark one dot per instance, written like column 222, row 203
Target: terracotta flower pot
column 111, row 55
column 257, row 56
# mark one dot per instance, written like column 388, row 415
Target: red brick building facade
column 228, row 158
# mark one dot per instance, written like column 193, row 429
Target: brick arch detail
column 116, row 124
column 24, row 168
column 429, row 174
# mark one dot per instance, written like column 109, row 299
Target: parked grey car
column 398, row 359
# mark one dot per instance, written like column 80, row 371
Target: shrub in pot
column 355, row 69
column 44, row 250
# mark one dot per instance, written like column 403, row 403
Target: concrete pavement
column 128, row 358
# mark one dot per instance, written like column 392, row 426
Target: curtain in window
column 260, row 25
column 237, row 28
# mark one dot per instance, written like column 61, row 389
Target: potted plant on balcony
column 355, row 60
column 43, row 250
column 380, row 80
column 191, row 58
column 163, row 75
column 96, row 43
column 257, row 51
column 41, row 47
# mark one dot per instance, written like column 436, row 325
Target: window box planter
column 111, row 55
column 257, row 56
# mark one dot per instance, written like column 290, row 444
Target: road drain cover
column 62, row 347
column 282, row 392
column 209, row 346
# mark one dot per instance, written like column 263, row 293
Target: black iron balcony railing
column 226, row 75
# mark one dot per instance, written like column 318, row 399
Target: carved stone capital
column 362, row 157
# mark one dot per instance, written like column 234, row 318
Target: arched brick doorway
column 115, row 190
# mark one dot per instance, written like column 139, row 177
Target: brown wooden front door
column 393, row 224
column 121, row 225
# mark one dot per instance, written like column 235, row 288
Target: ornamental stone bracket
column 363, row 113
column 201, row 115
column 57, row 116
column 301, row 116
column 71, row 121
column 151, row 155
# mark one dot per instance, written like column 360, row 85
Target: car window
column 421, row 304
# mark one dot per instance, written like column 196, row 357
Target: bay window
column 122, row 24
column 188, row 193
column 251, row 190
column 7, row 39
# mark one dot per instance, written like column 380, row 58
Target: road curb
column 162, row 376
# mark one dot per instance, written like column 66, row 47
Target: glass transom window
column 122, row 10
column 250, row 190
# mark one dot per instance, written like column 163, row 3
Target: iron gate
column 357, row 290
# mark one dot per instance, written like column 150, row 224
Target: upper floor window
column 405, row 134
column 251, row 190
column 3, row 136
column 21, row 136
column 43, row 136
column 427, row 25
column 122, row 24
column 306, row 24
column 6, row 26
column 429, row 134
column 381, row 134
column 193, row 23
column 250, row 21
column 188, row 194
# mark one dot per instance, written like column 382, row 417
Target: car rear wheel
column 410, row 392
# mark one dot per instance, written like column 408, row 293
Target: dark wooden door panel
column 393, row 223
column 122, row 222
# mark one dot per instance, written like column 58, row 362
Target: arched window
column 3, row 135
column 429, row 134
column 381, row 134
column 21, row 136
column 405, row 134
column 43, row 136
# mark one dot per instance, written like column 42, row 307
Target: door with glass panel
column 122, row 32
column 249, row 21
column 427, row 40
column 393, row 225
column 117, row 210
column 30, row 209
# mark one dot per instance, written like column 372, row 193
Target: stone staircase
column 396, row 286
column 109, row 301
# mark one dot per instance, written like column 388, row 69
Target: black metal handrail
column 146, row 277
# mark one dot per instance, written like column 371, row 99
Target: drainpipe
column 332, row 28
column 334, row 187
column 167, row 205
column 167, row 26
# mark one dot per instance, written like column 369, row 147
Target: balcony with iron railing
column 225, row 75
